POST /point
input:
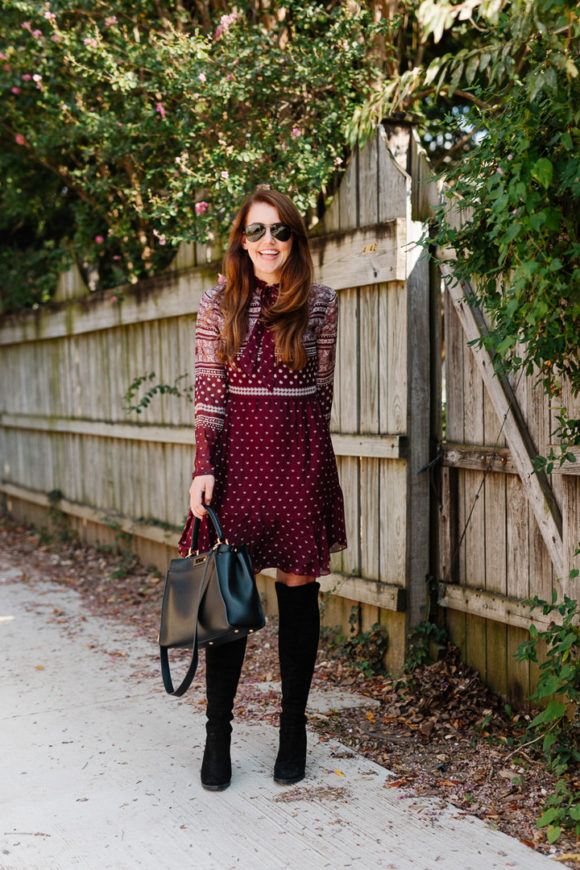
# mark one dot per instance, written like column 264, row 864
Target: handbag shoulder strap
column 163, row 650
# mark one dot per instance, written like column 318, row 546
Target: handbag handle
column 197, row 525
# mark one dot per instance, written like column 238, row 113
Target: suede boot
column 223, row 665
column 297, row 644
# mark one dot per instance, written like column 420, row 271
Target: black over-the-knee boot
column 298, row 644
column 223, row 664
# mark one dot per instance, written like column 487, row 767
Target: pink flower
column 36, row 33
column 55, row 37
column 64, row 107
column 26, row 77
column 221, row 278
column 200, row 207
column 88, row 40
column 225, row 173
column 225, row 22
column 20, row 140
column 36, row 77
column 114, row 299
column 159, row 108
column 202, row 77
column 229, row 76
column 50, row 16
column 99, row 240
column 15, row 90
column 26, row 25
column 7, row 67
column 110, row 21
column 296, row 132
column 2, row 55
column 116, row 256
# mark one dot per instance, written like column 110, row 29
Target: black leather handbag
column 209, row 598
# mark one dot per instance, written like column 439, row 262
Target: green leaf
column 543, row 171
column 555, row 710
column 512, row 232
column 567, row 141
column 547, row 817
column 432, row 71
column 505, row 345
column 553, row 833
column 471, row 69
column 484, row 60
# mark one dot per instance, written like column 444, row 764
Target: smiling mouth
column 268, row 254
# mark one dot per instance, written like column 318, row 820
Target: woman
column 264, row 369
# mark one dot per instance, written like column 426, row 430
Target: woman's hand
column 201, row 488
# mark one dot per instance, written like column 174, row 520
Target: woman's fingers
column 201, row 491
column 209, row 489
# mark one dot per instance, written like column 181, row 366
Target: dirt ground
column 440, row 730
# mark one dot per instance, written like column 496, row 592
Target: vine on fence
column 161, row 389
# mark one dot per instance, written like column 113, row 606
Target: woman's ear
column 244, row 243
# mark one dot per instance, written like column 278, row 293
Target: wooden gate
column 507, row 534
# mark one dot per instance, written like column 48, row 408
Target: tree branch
column 458, row 145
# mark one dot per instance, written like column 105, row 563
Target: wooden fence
column 64, row 371
column 502, row 534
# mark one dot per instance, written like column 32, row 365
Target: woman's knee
column 293, row 579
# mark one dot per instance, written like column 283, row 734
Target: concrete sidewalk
column 100, row 769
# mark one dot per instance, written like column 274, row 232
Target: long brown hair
column 288, row 316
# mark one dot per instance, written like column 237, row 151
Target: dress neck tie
column 259, row 356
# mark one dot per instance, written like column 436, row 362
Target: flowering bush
column 129, row 132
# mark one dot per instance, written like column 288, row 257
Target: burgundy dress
column 263, row 431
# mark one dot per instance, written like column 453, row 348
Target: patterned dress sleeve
column 326, row 346
column 210, row 385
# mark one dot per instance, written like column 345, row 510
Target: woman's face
column 268, row 254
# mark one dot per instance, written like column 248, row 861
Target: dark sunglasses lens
column 282, row 232
column 254, row 232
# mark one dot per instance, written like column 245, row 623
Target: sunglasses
column 254, row 232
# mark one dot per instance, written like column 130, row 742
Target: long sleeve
column 210, row 385
column 326, row 347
